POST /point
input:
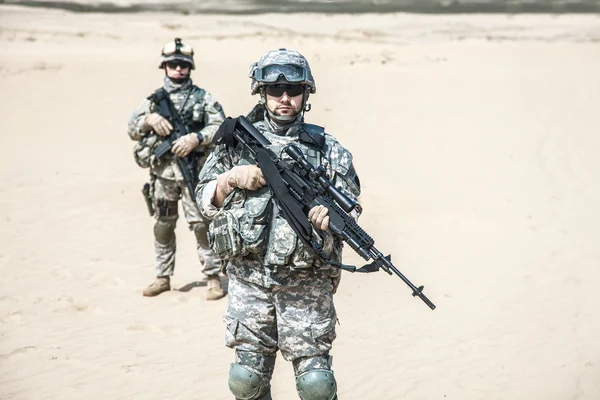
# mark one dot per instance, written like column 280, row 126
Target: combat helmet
column 278, row 66
column 176, row 50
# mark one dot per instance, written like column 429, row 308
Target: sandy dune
column 476, row 140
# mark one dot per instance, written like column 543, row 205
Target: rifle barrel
column 417, row 291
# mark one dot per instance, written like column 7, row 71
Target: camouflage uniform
column 203, row 115
column 280, row 294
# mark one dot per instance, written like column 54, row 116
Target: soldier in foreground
column 280, row 292
column 186, row 144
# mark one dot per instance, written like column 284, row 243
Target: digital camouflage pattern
column 296, row 317
column 197, row 107
column 203, row 115
column 281, row 57
column 165, row 253
column 177, row 50
column 282, row 299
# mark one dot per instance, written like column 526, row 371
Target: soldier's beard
column 281, row 125
column 281, row 119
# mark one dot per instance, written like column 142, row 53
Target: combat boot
column 161, row 284
column 215, row 289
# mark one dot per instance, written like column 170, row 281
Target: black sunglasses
column 175, row 64
column 279, row 90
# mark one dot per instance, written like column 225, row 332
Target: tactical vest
column 191, row 111
column 253, row 227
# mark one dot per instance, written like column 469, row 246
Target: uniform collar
column 290, row 129
column 172, row 87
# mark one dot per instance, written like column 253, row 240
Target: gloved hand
column 160, row 125
column 319, row 218
column 241, row 176
column 185, row 144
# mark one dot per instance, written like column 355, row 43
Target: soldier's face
column 177, row 69
column 285, row 100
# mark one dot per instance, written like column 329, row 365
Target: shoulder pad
column 312, row 128
column 198, row 92
column 314, row 134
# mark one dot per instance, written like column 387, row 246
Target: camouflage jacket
column 266, row 237
column 202, row 113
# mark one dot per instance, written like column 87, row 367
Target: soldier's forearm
column 222, row 190
column 208, row 133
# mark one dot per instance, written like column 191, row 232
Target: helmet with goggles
column 176, row 50
column 281, row 66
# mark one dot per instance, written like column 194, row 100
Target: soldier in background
column 280, row 293
column 202, row 115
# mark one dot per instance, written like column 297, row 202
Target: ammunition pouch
column 238, row 232
column 143, row 151
column 253, row 230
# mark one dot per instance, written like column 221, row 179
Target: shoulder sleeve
column 213, row 116
column 136, row 120
column 341, row 169
column 218, row 162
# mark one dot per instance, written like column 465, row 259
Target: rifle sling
column 292, row 212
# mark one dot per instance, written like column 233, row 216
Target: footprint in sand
column 14, row 316
column 75, row 306
column 154, row 329
column 20, row 350
column 114, row 283
column 128, row 367
column 179, row 299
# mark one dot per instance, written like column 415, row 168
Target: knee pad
column 316, row 384
column 164, row 231
column 201, row 230
column 250, row 376
column 245, row 384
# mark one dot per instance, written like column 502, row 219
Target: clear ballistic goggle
column 177, row 47
column 291, row 73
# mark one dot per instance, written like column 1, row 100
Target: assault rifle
column 187, row 165
column 298, row 186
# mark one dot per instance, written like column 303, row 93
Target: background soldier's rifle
column 187, row 164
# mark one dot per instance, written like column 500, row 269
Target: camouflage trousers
column 292, row 311
column 164, row 229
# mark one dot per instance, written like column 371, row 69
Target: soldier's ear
column 263, row 96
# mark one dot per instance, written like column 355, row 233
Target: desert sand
column 476, row 141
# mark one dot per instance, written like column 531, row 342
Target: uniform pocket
column 232, row 325
column 223, row 235
column 198, row 113
column 253, row 239
column 303, row 256
column 143, row 151
column 282, row 243
column 323, row 332
column 253, row 230
column 258, row 206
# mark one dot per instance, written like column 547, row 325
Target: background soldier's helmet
column 176, row 50
column 281, row 66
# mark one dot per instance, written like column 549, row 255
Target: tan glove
column 241, row 176
column 160, row 125
column 319, row 218
column 185, row 144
